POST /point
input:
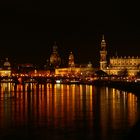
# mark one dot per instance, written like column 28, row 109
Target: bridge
column 122, row 84
column 41, row 79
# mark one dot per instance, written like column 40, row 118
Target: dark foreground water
column 67, row 112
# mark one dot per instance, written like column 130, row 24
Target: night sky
column 29, row 29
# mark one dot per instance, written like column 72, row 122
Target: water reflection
column 76, row 110
column 118, row 111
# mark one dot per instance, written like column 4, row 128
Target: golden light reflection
column 132, row 107
column 116, row 108
column 64, row 106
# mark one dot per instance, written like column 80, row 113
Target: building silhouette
column 55, row 59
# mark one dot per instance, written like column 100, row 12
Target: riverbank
column 122, row 85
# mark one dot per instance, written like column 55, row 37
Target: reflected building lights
column 132, row 108
column 66, row 106
column 117, row 108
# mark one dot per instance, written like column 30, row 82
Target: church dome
column 6, row 63
column 55, row 58
column 89, row 65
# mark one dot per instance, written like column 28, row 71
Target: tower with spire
column 71, row 60
column 103, row 54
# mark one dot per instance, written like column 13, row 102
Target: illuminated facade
column 5, row 70
column 72, row 69
column 39, row 73
column 118, row 65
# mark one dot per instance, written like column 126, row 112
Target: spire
column 116, row 53
column 103, row 38
column 71, row 60
column 54, row 47
column 103, row 54
column 103, row 43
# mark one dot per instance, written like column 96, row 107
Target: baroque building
column 118, row 65
column 55, row 59
column 73, row 69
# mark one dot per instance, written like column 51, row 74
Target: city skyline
column 28, row 30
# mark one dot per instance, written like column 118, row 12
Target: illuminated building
column 118, row 65
column 39, row 73
column 5, row 70
column 73, row 69
column 55, row 59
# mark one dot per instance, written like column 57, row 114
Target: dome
column 55, row 58
column 89, row 65
column 6, row 63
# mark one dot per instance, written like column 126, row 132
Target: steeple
column 103, row 43
column 55, row 47
column 116, row 53
column 103, row 37
column 71, row 60
column 103, row 54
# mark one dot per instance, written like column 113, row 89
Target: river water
column 72, row 112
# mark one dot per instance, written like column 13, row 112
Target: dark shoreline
column 133, row 87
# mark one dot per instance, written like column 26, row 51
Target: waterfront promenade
column 125, row 85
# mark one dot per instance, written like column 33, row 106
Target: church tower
column 103, row 54
column 71, row 60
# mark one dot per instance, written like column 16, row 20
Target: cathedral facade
column 129, row 66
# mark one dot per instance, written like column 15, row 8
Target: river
column 72, row 112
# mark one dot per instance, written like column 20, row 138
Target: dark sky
column 28, row 29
